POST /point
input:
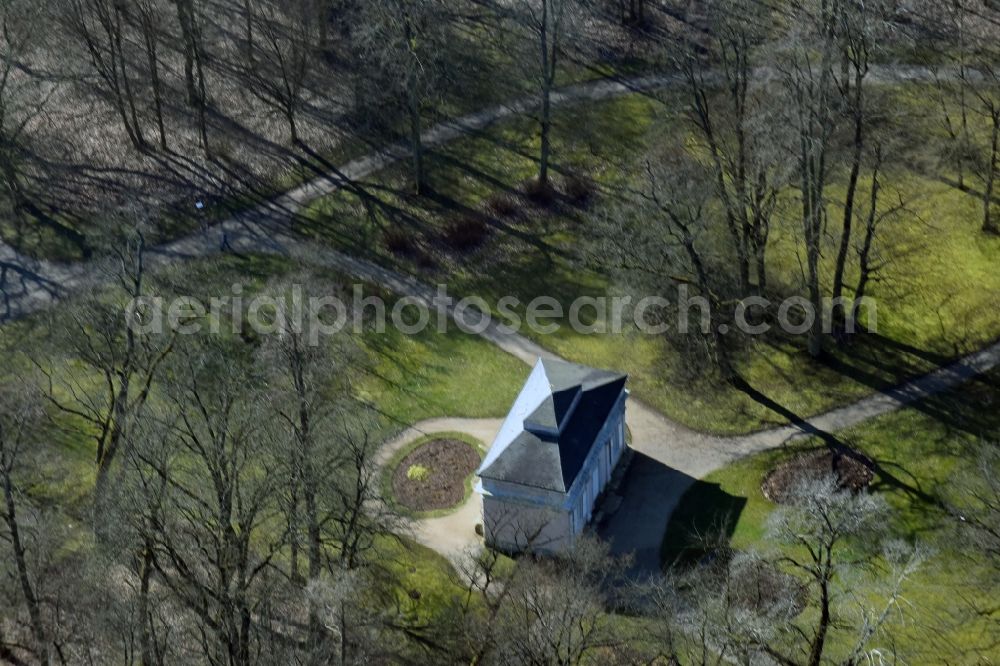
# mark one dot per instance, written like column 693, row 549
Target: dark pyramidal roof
column 558, row 434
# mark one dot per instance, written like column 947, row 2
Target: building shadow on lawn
column 651, row 493
column 702, row 525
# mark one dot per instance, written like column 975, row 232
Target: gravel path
column 669, row 456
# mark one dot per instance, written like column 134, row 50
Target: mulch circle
column 448, row 463
column 853, row 470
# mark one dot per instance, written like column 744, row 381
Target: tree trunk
column 119, row 66
column 343, row 634
column 734, row 205
column 819, row 640
column 722, row 361
column 317, row 633
column 760, row 257
column 185, row 19
column 154, row 75
column 293, row 529
column 812, row 217
column 815, row 343
column 864, row 254
column 838, row 311
column 548, row 76
column 416, row 141
column 107, row 454
column 989, row 224
column 543, row 162
column 194, row 72
column 145, row 627
column 202, row 101
column 21, row 566
column 293, row 130
column 130, row 99
column 413, row 107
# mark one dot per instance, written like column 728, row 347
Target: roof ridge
column 527, row 457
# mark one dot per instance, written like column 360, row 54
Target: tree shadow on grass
column 972, row 408
column 968, row 407
column 884, row 478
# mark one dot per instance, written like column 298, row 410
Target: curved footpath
column 669, row 456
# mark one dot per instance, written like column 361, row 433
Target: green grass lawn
column 413, row 378
column 920, row 449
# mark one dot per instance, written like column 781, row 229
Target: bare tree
column 19, row 417
column 209, row 545
column 99, row 333
column 719, row 612
column 953, row 100
column 974, row 505
column 807, row 65
column 547, row 610
column 280, row 48
column 862, row 30
column 307, row 376
column 987, row 93
column 968, row 92
column 360, row 516
column 189, row 20
column 355, row 631
column 784, row 606
column 405, row 45
column 730, row 115
column 546, row 28
column 977, row 502
column 101, row 27
column 142, row 513
column 309, row 373
column 661, row 242
column 871, row 259
column 151, row 26
column 22, row 101
column 829, row 529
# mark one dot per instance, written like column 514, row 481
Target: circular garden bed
column 432, row 476
column 853, row 471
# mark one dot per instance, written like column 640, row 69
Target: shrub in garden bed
column 579, row 190
column 465, row 233
column 539, row 194
column 399, row 241
column 502, row 204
